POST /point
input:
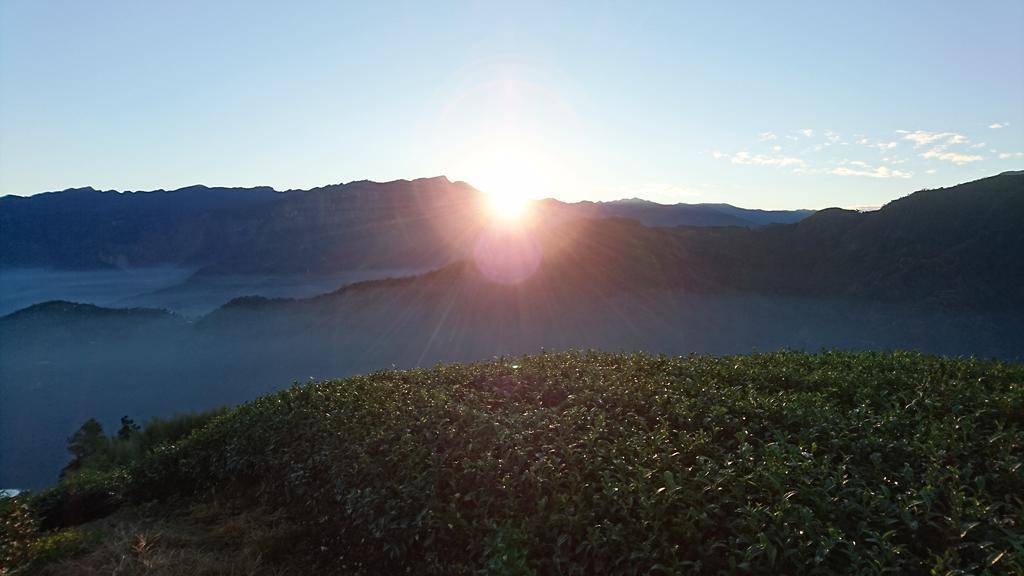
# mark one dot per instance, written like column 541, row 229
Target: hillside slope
column 951, row 247
column 585, row 463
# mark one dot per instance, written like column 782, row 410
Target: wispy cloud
column 939, row 153
column 881, row 144
column 862, row 169
column 814, row 151
column 924, row 138
column 1008, row 155
column 998, row 125
column 765, row 160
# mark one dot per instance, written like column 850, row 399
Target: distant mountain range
column 401, row 224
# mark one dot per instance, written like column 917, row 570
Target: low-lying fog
column 20, row 288
column 178, row 290
column 53, row 379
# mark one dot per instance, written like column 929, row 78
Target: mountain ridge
column 86, row 228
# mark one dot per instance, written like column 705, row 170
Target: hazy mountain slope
column 403, row 224
column 84, row 228
column 330, row 229
column 957, row 246
column 667, row 215
column 334, row 228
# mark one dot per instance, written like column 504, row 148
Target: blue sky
column 760, row 104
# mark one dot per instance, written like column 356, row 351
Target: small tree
column 128, row 428
column 84, row 444
column 87, row 440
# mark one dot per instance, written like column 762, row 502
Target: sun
column 508, row 206
column 511, row 191
column 512, row 176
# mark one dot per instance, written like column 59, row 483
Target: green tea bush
column 584, row 463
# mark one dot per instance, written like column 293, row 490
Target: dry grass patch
column 210, row 538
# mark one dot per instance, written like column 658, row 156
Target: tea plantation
column 597, row 463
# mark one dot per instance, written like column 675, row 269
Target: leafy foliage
column 23, row 547
column 94, row 452
column 95, row 481
column 603, row 463
column 87, row 443
column 78, row 498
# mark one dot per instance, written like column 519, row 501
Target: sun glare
column 512, row 177
column 508, row 206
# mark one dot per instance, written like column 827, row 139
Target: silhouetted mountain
column 957, row 246
column 667, row 215
column 402, row 224
column 332, row 228
column 61, row 312
column 84, row 228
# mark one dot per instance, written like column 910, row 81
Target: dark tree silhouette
column 128, row 428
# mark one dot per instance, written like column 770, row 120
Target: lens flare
column 507, row 255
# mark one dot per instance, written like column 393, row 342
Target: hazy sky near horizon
column 759, row 104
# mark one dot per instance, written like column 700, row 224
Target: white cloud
column 922, row 137
column 997, row 125
column 938, row 152
column 1007, row 155
column 763, row 160
column 777, row 148
column 864, row 170
column 881, row 145
column 765, row 136
column 978, row 145
column 807, row 132
column 718, row 155
column 831, row 136
column 932, row 171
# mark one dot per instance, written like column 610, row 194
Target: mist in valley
column 176, row 289
column 59, row 367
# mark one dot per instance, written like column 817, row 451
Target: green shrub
column 84, row 496
column 620, row 464
column 92, row 451
column 23, row 547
